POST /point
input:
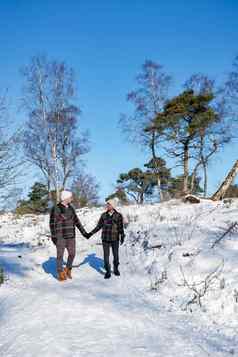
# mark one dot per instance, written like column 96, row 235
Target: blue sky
column 106, row 42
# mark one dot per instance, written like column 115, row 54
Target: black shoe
column 107, row 275
column 116, row 272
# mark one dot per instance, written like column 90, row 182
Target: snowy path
column 89, row 316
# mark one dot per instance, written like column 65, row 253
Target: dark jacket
column 63, row 221
column 111, row 225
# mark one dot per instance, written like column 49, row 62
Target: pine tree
column 182, row 120
column 138, row 184
column 37, row 202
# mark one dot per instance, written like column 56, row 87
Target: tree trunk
column 141, row 199
column 156, row 169
column 153, row 145
column 54, row 157
column 194, row 174
column 185, row 169
column 204, row 164
column 48, row 189
column 220, row 193
column 160, row 190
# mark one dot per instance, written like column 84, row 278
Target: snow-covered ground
column 177, row 294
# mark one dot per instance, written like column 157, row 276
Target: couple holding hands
column 63, row 220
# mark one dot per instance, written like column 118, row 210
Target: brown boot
column 68, row 272
column 62, row 275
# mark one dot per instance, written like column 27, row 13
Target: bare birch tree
column 86, row 190
column 10, row 159
column 52, row 141
column 148, row 100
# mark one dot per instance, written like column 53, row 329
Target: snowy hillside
column 177, row 293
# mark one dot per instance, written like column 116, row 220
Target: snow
column 144, row 312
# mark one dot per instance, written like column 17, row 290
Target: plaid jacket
column 111, row 225
column 63, row 221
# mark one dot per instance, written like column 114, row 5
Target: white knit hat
column 64, row 195
column 113, row 202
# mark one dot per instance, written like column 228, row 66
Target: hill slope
column 149, row 311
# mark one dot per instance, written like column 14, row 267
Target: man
column 63, row 220
column 111, row 223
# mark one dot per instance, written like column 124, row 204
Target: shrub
column 2, row 277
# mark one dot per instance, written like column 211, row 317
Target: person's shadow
column 93, row 261
column 50, row 267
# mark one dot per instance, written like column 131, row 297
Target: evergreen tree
column 182, row 120
column 157, row 166
column 137, row 184
column 120, row 194
column 37, row 202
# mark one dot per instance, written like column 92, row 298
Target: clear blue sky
column 106, row 42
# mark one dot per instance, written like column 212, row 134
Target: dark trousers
column 106, row 253
column 61, row 245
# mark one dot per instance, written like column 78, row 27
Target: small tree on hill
column 120, row 194
column 157, row 166
column 37, row 202
column 137, row 184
